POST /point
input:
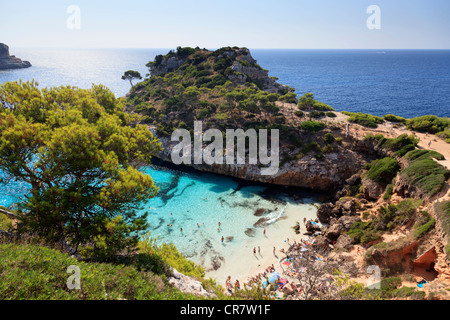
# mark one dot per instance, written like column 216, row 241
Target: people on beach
column 254, row 250
column 222, row 239
column 429, row 144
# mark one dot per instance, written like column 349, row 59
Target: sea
column 195, row 210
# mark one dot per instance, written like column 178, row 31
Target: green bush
column 425, row 173
column 364, row 119
column 388, row 193
column 383, row 170
column 364, row 232
column 316, row 114
column 312, row 126
column 388, row 218
column 331, row 115
column 429, row 123
column 169, row 255
column 394, row 118
column 424, row 225
column 311, row 146
column 299, row 113
column 328, row 138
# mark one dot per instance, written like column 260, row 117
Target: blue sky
column 309, row 24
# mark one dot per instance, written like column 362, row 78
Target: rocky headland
column 10, row 62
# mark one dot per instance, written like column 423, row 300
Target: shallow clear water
column 197, row 202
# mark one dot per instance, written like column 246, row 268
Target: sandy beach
column 244, row 264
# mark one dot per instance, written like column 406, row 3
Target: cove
column 197, row 202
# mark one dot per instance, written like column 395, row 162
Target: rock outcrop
column 188, row 285
column 328, row 174
column 10, row 62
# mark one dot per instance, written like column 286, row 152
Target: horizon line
column 251, row 48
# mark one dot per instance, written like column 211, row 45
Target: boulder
column 372, row 190
column 348, row 221
column 344, row 242
column 354, row 179
column 310, row 227
column 325, row 212
column 188, row 285
column 334, row 231
column 340, row 226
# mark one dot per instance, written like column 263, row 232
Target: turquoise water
column 197, row 202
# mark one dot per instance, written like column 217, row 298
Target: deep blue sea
column 406, row 83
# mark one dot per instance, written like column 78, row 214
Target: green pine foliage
column 80, row 156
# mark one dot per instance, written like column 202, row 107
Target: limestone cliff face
column 10, row 62
column 166, row 65
column 327, row 174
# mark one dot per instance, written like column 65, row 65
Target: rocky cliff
column 327, row 174
column 10, row 62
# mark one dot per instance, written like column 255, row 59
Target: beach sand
column 243, row 263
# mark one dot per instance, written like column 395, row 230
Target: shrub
column 312, row 126
column 364, row 119
column 311, row 146
column 331, row 115
column 388, row 193
column 316, row 114
column 394, row 118
column 364, row 232
column 425, row 173
column 328, row 138
column 424, row 225
column 383, row 170
column 290, row 97
column 429, row 123
column 299, row 113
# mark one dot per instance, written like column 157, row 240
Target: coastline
column 244, row 264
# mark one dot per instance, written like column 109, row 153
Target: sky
column 297, row 24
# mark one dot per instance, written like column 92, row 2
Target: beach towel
column 287, row 263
